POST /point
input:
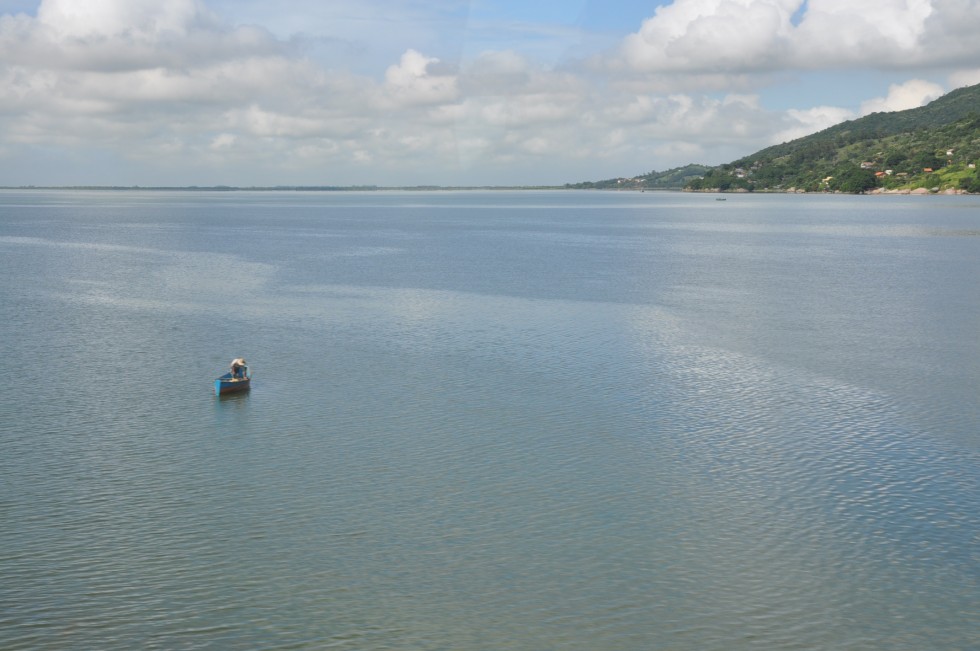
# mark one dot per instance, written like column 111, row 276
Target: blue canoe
column 228, row 384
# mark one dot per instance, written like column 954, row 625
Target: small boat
column 239, row 378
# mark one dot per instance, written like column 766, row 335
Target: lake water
column 489, row 420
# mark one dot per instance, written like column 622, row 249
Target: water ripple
column 421, row 467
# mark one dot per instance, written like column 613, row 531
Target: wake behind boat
column 239, row 378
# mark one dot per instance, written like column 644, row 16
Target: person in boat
column 238, row 368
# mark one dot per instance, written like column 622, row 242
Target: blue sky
column 448, row 92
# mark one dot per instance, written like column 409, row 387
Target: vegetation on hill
column 935, row 147
column 672, row 179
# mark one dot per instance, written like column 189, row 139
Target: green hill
column 936, row 147
column 672, row 179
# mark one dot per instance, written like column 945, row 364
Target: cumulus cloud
column 798, row 123
column 113, row 35
column 712, row 35
column 705, row 36
column 146, row 20
column 416, row 80
column 962, row 78
column 912, row 94
column 181, row 91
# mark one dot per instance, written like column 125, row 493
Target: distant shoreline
column 280, row 188
column 441, row 188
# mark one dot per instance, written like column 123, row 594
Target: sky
column 448, row 92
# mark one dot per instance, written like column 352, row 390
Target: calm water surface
column 518, row 421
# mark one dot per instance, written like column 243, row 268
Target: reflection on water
column 488, row 420
column 233, row 398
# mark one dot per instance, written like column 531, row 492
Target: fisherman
column 238, row 368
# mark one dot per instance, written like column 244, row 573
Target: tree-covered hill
column 936, row 147
column 672, row 179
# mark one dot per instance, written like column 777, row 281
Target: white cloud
column 115, row 35
column 415, row 81
column 224, row 141
column 871, row 33
column 912, row 94
column 708, row 36
column 799, row 123
column 147, row 20
column 962, row 78
column 711, row 35
column 175, row 93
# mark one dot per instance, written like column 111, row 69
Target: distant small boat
column 239, row 378
column 721, row 198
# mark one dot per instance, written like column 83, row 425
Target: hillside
column 935, row 147
column 672, row 179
